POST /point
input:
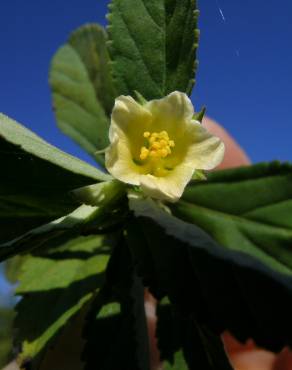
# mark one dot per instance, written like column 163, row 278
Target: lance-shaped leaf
column 223, row 288
column 84, row 220
column 184, row 344
column 36, row 179
column 116, row 331
column 153, row 46
column 54, row 287
column 82, row 89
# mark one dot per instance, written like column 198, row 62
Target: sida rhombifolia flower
column 159, row 146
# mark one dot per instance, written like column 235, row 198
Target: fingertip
column 234, row 155
column 253, row 360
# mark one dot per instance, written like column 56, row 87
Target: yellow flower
column 159, row 145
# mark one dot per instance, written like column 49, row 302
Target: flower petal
column 205, row 151
column 168, row 188
column 118, row 158
column 170, row 111
column 131, row 117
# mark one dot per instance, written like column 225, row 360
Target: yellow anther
column 154, row 154
column 159, row 145
column 163, row 153
column 163, row 142
column 156, row 145
column 144, row 153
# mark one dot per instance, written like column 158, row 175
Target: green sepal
column 200, row 115
column 199, row 175
column 140, row 98
column 107, row 192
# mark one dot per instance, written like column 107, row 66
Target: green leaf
column 78, row 112
column 54, row 288
column 83, row 220
column 224, row 288
column 58, row 168
column 6, row 319
column 247, row 209
column 153, row 46
column 94, row 195
column 65, row 352
column 53, row 232
column 179, row 362
column 89, row 41
column 116, row 331
column 36, row 180
column 178, row 336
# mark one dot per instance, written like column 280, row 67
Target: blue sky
column 244, row 77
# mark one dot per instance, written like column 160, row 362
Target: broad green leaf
column 83, row 220
column 36, row 180
column 116, row 331
column 6, row 318
column 22, row 212
column 24, row 146
column 224, row 288
column 12, row 268
column 179, row 335
column 74, row 80
column 153, row 46
column 54, row 287
column 54, row 232
column 65, row 352
column 89, row 41
column 247, row 209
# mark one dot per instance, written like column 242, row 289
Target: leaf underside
column 116, row 330
column 89, row 41
column 82, row 90
column 178, row 336
column 54, row 287
column 36, row 180
column 225, row 289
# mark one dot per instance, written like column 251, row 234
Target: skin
column 242, row 356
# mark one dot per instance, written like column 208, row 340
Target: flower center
column 158, row 145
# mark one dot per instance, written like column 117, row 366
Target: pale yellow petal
column 131, row 117
column 118, row 159
column 205, row 151
column 170, row 112
column 169, row 187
